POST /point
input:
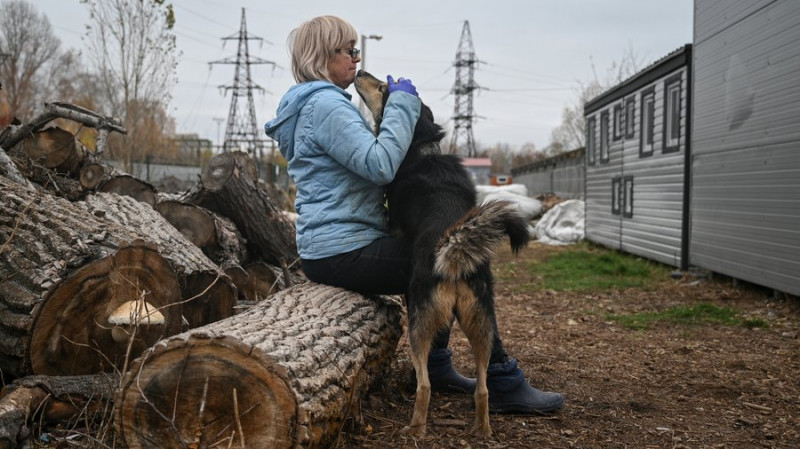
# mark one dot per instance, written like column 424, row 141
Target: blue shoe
column 509, row 392
column 443, row 377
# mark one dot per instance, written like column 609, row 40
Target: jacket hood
column 282, row 127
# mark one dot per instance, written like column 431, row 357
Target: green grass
column 591, row 268
column 703, row 313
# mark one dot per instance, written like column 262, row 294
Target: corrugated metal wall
column 649, row 221
column 562, row 175
column 745, row 204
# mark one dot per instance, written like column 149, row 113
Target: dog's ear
column 427, row 130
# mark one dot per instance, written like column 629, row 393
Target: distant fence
column 563, row 175
column 156, row 172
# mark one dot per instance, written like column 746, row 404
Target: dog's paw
column 417, row 432
column 480, row 430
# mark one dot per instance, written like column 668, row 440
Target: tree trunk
column 229, row 187
column 207, row 294
column 64, row 271
column 285, row 373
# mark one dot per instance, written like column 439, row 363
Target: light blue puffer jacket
column 338, row 165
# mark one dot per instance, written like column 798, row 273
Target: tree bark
column 63, row 271
column 229, row 187
column 285, row 373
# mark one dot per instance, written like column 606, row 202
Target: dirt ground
column 669, row 386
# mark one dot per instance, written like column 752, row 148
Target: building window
column 591, row 144
column 616, row 195
column 630, row 116
column 648, row 109
column 627, row 197
column 604, row 137
column 672, row 114
column 618, row 119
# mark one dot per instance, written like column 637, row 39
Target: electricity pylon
column 242, row 131
column 463, row 89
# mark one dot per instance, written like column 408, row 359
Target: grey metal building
column 745, row 171
column 562, row 175
column 637, row 148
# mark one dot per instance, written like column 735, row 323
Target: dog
column 432, row 202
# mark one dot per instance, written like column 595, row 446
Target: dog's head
column 375, row 93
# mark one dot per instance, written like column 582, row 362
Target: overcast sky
column 534, row 53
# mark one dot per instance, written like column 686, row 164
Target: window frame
column 672, row 114
column 591, row 141
column 647, row 102
column 618, row 122
column 604, row 141
column 616, row 195
column 627, row 205
column 630, row 117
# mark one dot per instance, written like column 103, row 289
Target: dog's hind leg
column 420, row 342
column 430, row 309
column 477, row 325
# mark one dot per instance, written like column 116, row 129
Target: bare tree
column 134, row 55
column 28, row 43
column 571, row 133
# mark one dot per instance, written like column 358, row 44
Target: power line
column 241, row 131
column 463, row 89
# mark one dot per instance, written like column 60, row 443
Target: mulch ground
column 668, row 386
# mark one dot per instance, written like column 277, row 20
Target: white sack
column 563, row 224
column 484, row 190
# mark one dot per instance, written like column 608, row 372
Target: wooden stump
column 285, row 373
column 229, row 187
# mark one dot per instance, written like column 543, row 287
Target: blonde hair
column 313, row 44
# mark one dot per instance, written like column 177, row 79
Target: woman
column 340, row 169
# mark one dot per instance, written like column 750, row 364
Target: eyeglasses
column 353, row 52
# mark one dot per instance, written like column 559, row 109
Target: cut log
column 52, row 400
column 56, row 149
column 130, row 186
column 207, row 294
column 64, row 271
column 229, row 187
column 285, row 373
column 216, row 236
column 92, row 175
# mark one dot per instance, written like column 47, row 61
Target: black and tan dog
column 432, row 201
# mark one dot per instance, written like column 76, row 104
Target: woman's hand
column 402, row 84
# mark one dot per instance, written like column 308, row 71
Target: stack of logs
column 188, row 315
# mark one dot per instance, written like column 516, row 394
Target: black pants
column 381, row 268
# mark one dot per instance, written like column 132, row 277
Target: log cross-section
column 283, row 374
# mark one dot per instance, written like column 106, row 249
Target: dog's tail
column 471, row 241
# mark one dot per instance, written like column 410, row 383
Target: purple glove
column 402, row 84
